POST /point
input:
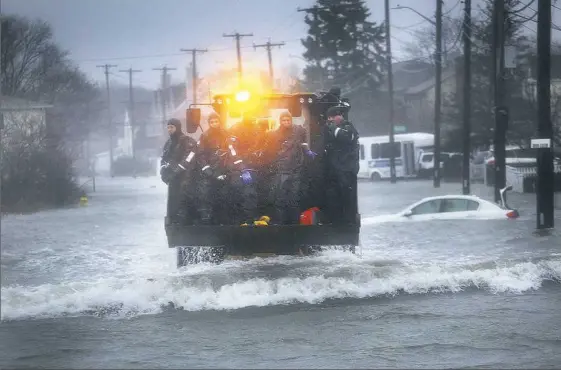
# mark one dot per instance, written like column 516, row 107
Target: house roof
column 409, row 73
column 10, row 103
column 427, row 84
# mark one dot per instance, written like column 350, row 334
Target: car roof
column 474, row 198
column 459, row 196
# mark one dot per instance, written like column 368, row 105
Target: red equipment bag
column 310, row 216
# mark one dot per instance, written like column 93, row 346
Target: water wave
column 267, row 282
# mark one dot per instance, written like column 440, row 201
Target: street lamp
column 438, row 83
column 398, row 7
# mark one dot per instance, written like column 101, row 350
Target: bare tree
column 37, row 167
column 424, row 41
column 35, row 68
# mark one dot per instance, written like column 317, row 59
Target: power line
column 149, row 56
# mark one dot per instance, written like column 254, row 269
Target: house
column 419, row 100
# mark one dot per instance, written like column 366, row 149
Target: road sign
column 540, row 143
column 399, row 129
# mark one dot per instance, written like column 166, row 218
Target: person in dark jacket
column 263, row 165
column 342, row 165
column 178, row 172
column 212, row 187
column 287, row 147
column 242, row 163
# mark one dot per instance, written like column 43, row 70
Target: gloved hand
column 246, row 177
column 165, row 174
column 221, row 177
column 175, row 168
column 311, row 154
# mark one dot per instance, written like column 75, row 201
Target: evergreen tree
column 344, row 49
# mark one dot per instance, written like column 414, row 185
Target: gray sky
column 146, row 34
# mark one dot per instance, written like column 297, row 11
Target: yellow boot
column 260, row 223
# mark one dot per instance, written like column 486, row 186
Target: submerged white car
column 450, row 207
column 457, row 207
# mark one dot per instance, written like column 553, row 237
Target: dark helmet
column 214, row 115
column 175, row 122
column 336, row 91
column 335, row 111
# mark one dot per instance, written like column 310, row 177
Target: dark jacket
column 286, row 147
column 179, row 158
column 342, row 148
column 245, row 144
column 212, row 148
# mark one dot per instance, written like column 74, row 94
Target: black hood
column 177, row 123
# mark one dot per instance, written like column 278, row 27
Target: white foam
column 326, row 277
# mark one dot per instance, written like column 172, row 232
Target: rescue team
column 218, row 179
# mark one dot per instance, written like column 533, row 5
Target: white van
column 375, row 154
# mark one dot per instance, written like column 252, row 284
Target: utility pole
column 501, row 110
column 106, row 67
column 132, row 117
column 194, row 70
column 467, row 99
column 437, row 94
column 390, row 92
column 1, row 112
column 163, row 94
column 269, row 46
column 238, row 36
column 545, row 186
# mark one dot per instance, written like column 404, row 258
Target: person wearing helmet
column 212, row 187
column 241, row 162
column 342, row 165
column 178, row 172
column 287, row 147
